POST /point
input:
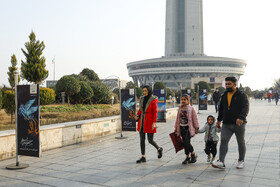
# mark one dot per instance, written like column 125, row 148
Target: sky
column 105, row 35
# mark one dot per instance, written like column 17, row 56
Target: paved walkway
column 111, row 162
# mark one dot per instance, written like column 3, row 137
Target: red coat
column 150, row 115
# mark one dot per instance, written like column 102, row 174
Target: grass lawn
column 52, row 114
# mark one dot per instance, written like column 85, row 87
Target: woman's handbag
column 177, row 141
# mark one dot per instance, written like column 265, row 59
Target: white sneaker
column 240, row 165
column 212, row 161
column 219, row 164
column 208, row 158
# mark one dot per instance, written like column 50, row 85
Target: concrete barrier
column 63, row 134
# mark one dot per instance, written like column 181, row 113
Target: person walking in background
column 147, row 118
column 234, row 108
column 211, row 138
column 276, row 97
column 216, row 99
column 187, row 126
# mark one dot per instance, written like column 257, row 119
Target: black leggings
column 150, row 139
column 211, row 147
column 186, row 137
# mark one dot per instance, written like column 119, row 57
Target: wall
column 63, row 134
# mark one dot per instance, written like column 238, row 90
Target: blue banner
column 128, row 109
column 202, row 105
column 161, row 105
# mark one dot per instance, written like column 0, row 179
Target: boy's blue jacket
column 213, row 131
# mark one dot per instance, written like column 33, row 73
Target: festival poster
column 202, row 99
column 128, row 109
column 28, row 120
column 161, row 105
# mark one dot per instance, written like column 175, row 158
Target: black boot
column 193, row 158
column 160, row 152
column 142, row 159
column 186, row 161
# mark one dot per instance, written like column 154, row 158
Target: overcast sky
column 105, row 35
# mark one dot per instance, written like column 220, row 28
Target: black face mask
column 229, row 89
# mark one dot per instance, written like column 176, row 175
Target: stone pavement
column 108, row 161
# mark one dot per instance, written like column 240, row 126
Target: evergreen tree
column 11, row 72
column 34, row 69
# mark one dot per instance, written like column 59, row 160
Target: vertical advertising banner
column 28, row 120
column 161, row 105
column 202, row 99
column 128, row 109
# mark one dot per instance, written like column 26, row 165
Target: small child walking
column 186, row 126
column 211, row 138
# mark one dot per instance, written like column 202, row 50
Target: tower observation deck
column 185, row 63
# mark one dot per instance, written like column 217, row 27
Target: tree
column 34, row 69
column 90, row 74
column 276, row 85
column 139, row 92
column 130, row 85
column 11, row 72
column 169, row 92
column 102, row 93
column 221, row 89
column 69, row 85
column 9, row 103
column 159, row 85
column 84, row 94
column 1, row 100
column 203, row 85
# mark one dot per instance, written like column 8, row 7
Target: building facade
column 184, row 62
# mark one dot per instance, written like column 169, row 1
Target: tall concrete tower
column 184, row 28
column 185, row 63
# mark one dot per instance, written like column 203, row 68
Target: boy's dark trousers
column 211, row 147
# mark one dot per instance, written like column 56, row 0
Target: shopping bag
column 177, row 141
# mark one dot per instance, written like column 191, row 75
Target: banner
column 202, row 99
column 161, row 105
column 28, row 120
column 128, row 109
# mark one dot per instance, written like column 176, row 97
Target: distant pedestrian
column 187, row 126
column 211, row 138
column 216, row 99
column 276, row 97
column 147, row 118
column 234, row 108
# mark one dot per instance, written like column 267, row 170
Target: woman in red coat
column 147, row 118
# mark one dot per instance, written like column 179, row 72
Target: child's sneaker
column 212, row 160
column 186, row 161
column 219, row 164
column 208, row 158
column 240, row 164
column 193, row 158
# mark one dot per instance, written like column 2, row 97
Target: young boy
column 211, row 138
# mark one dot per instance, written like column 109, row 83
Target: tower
column 184, row 28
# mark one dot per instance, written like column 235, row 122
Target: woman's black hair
column 149, row 88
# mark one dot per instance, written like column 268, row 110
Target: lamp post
column 112, row 98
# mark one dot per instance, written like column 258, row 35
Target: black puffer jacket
column 239, row 108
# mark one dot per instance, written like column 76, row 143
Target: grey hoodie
column 213, row 131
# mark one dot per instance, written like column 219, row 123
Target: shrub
column 47, row 96
column 9, row 103
column 84, row 95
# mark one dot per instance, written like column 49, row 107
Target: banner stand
column 120, row 137
column 17, row 165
